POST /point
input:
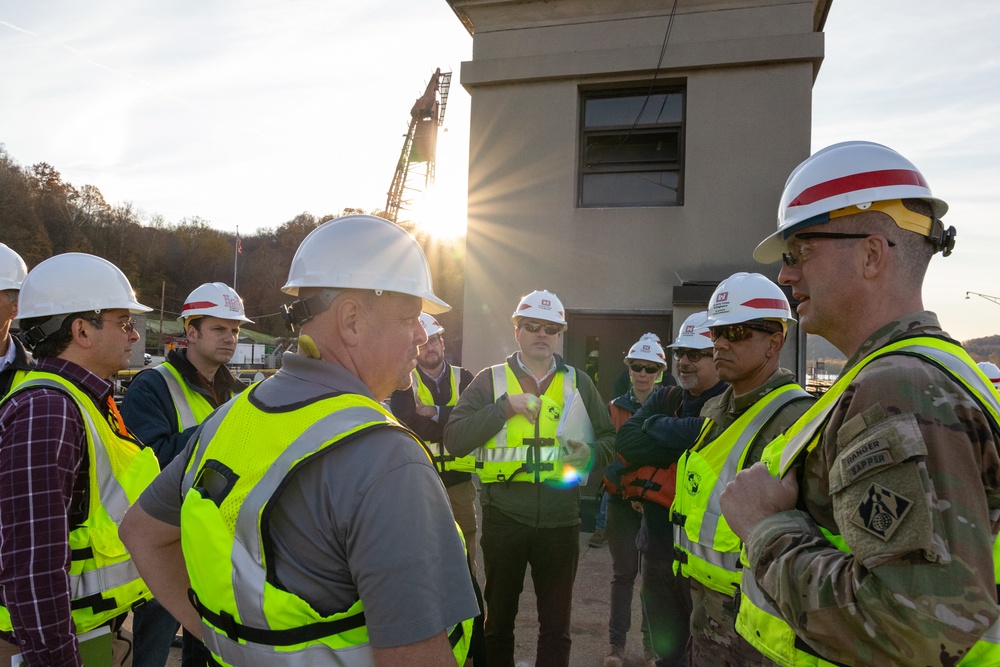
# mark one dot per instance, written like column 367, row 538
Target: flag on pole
column 239, row 245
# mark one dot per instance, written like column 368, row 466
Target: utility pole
column 163, row 298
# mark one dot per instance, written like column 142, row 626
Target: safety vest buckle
column 680, row 555
column 678, row 519
column 227, row 623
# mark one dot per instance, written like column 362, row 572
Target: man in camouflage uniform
column 904, row 473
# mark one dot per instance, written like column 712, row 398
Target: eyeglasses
column 643, row 368
column 128, row 326
column 433, row 340
column 692, row 355
column 535, row 327
column 736, row 333
column 799, row 252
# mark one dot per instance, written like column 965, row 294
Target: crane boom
column 419, row 144
column 994, row 299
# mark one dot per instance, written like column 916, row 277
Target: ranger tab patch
column 881, row 511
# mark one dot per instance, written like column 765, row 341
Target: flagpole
column 236, row 256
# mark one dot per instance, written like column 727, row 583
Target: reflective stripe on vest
column 192, row 408
column 712, row 549
column 504, row 457
column 103, row 580
column 757, row 621
column 247, row 620
column 443, row 459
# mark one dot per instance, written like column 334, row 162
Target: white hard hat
column 991, row 371
column 363, row 252
column 651, row 336
column 214, row 300
column 747, row 296
column 646, row 349
column 540, row 305
column 75, row 282
column 848, row 178
column 693, row 334
column 431, row 326
column 12, row 269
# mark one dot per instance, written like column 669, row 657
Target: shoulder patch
column 881, row 511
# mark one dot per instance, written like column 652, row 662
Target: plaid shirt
column 43, row 495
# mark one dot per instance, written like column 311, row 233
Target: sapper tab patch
column 881, row 512
column 865, row 458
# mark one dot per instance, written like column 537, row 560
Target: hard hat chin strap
column 299, row 312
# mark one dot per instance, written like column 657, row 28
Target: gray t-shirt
column 367, row 519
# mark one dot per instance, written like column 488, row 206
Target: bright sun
column 440, row 211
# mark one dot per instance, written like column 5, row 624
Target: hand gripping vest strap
column 758, row 621
column 192, row 407
column 443, row 460
column 500, row 388
column 702, row 557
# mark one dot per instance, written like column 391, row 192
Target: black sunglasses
column 643, row 368
column 736, row 333
column 535, row 327
column 791, row 260
column 692, row 355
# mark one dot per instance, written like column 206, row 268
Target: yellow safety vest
column 231, row 478
column 522, row 451
column 443, row 460
column 192, row 408
column 758, row 622
column 707, row 548
column 103, row 580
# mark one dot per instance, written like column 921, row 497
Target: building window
column 632, row 147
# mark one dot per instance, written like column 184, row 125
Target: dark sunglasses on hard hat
column 736, row 333
column 643, row 368
column 692, row 355
column 535, row 327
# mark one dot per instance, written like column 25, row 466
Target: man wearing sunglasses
column 747, row 322
column 654, row 438
column 162, row 407
column 875, row 545
column 68, row 468
column 530, row 496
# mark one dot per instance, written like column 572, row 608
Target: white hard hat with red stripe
column 848, row 178
column 430, row 324
column 213, row 300
column 540, row 305
column 991, row 371
column 694, row 334
column 743, row 297
column 647, row 349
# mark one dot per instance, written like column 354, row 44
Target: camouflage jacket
column 914, row 590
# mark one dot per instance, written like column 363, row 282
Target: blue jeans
column 601, row 518
column 153, row 629
column 623, row 526
column 666, row 599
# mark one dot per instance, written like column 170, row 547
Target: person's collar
column 554, row 365
column 98, row 387
column 8, row 358
column 921, row 322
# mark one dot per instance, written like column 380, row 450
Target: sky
column 245, row 114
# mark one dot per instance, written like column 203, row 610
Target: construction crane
column 994, row 299
column 417, row 159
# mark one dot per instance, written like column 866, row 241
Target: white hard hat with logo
column 431, row 326
column 213, row 300
column 694, row 334
column 363, row 252
column 991, row 371
column 540, row 305
column 647, row 349
column 743, row 297
column 12, row 269
column 848, row 178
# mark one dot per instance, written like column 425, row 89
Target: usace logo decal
column 546, row 303
column 689, row 329
column 722, row 296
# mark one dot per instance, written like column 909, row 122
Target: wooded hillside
column 42, row 215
